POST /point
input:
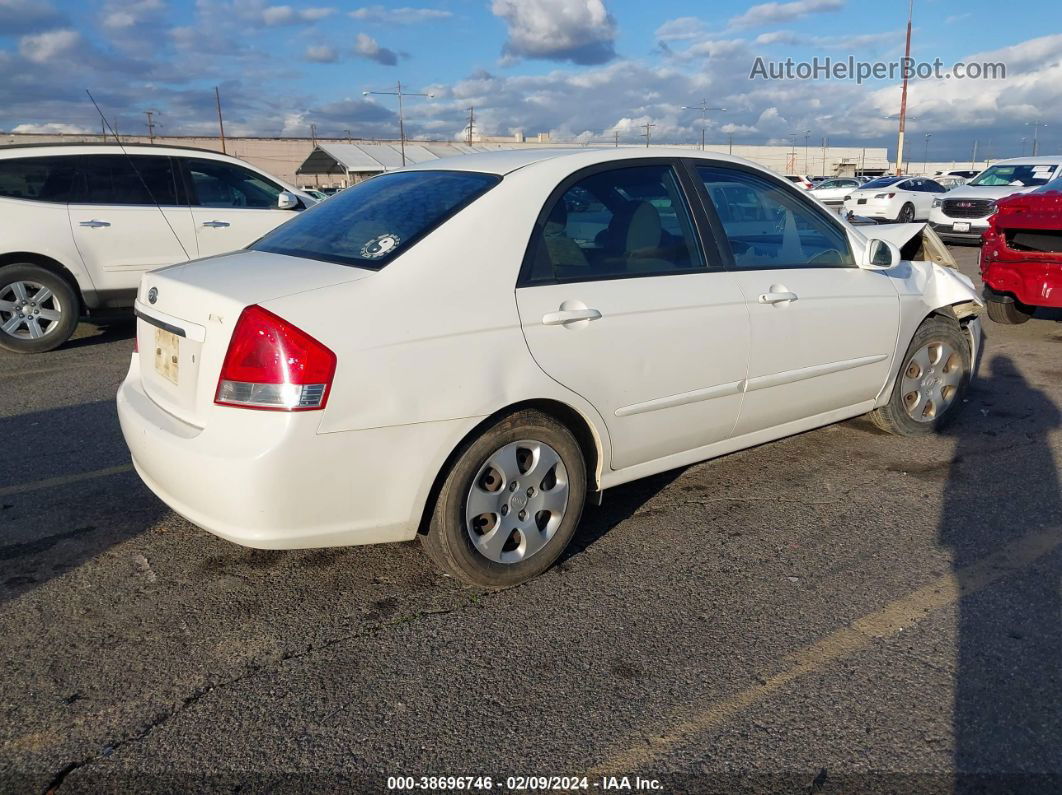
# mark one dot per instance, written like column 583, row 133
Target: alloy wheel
column 28, row 310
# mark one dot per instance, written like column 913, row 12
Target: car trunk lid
column 186, row 314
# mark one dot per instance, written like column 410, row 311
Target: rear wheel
column 510, row 503
column 907, row 214
column 932, row 382
column 1010, row 313
column 38, row 309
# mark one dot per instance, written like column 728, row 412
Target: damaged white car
column 469, row 350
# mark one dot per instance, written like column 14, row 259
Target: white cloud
column 399, row 16
column 286, row 15
column 857, row 41
column 367, row 47
column 51, row 128
column 774, row 13
column 321, row 53
column 580, row 31
column 43, row 47
column 682, row 28
column 124, row 14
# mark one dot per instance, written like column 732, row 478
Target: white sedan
column 833, row 192
column 470, row 349
column 900, row 199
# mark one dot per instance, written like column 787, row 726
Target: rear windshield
column 374, row 221
column 881, row 182
column 1016, row 176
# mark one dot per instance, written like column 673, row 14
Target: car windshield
column 372, row 222
column 882, row 182
column 1016, row 176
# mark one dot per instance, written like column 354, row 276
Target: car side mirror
column 881, row 254
column 287, row 200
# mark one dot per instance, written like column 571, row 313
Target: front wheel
column 510, row 502
column 931, row 383
column 38, row 309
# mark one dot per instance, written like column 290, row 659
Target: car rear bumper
column 1031, row 283
column 268, row 480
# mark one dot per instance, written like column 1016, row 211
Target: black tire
column 1010, row 313
column 894, row 416
column 63, row 302
column 907, row 214
column 448, row 541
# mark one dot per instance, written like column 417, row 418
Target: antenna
column 138, row 174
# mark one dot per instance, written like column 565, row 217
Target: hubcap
column 517, row 501
column 930, row 381
column 28, row 310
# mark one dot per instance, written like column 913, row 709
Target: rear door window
column 370, row 223
column 43, row 179
column 122, row 179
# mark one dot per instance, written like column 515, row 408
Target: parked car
column 965, row 174
column 1021, row 256
column 962, row 216
column 80, row 224
column 316, row 194
column 832, row 192
column 468, row 349
column 950, row 183
column 900, row 199
column 802, row 180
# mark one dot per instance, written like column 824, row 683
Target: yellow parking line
column 63, row 480
column 857, row 636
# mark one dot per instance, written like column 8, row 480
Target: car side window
column 126, row 179
column 43, row 179
column 219, row 184
column 768, row 227
column 932, row 186
column 623, row 222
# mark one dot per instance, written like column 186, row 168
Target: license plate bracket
column 167, row 354
column 961, row 226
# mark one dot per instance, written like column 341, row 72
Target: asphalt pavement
column 840, row 611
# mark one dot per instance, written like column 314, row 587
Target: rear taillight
column 271, row 364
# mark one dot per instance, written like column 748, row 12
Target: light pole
column 794, row 135
column 1036, row 125
column 899, row 152
column 903, row 92
column 398, row 92
column 703, row 108
column 648, row 132
column 925, row 153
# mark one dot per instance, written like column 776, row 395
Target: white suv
column 962, row 215
column 80, row 224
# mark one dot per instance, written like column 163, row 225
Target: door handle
column 216, row 224
column 778, row 298
column 569, row 316
column 94, row 224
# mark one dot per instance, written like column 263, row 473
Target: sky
column 584, row 70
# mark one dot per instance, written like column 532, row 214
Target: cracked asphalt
column 839, row 611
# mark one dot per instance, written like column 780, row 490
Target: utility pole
column 731, row 136
column 903, row 92
column 1036, row 125
column 615, row 136
column 150, row 125
column 221, row 124
column 824, row 144
column 398, row 92
column 348, row 135
column 925, row 153
column 703, row 108
column 806, row 134
column 648, row 132
column 973, row 157
column 471, row 123
column 313, row 133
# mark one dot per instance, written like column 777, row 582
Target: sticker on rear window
column 379, row 246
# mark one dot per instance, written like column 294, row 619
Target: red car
column 1021, row 254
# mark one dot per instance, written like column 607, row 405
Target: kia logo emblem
column 153, row 295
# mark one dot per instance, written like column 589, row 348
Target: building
column 338, row 162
